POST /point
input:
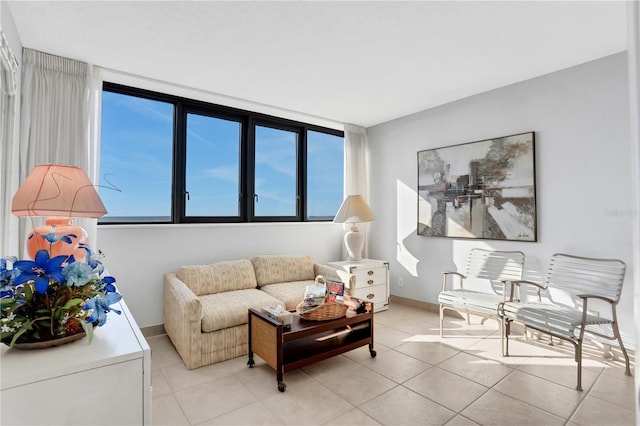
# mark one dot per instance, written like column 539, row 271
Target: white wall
column 584, row 196
column 138, row 255
column 8, row 26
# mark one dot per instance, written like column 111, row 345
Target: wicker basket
column 324, row 312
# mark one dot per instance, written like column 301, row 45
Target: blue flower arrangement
column 51, row 298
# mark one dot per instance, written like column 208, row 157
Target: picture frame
column 483, row 190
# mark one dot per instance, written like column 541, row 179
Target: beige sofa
column 205, row 306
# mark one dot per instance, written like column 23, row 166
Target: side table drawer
column 370, row 276
column 376, row 294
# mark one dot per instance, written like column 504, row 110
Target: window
column 178, row 160
column 276, row 177
column 213, row 166
column 325, row 175
column 136, row 157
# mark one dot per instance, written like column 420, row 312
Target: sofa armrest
column 182, row 319
column 337, row 274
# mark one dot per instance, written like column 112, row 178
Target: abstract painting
column 484, row 189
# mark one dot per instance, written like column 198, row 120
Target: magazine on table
column 314, row 295
column 335, row 291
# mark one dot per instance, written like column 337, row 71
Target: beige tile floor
column 417, row 378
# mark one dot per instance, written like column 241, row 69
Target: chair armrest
column 585, row 309
column 538, row 285
column 182, row 319
column 179, row 297
column 338, row 274
column 519, row 283
column 593, row 296
column 460, row 276
column 454, row 273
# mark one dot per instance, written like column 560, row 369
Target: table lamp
column 354, row 210
column 63, row 192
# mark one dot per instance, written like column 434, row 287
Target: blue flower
column 7, row 276
column 108, row 284
column 41, row 270
column 52, row 238
column 100, row 307
column 77, row 273
column 92, row 259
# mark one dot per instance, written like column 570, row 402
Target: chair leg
column 579, row 361
column 468, row 319
column 616, row 333
column 507, row 329
column 502, row 335
column 441, row 320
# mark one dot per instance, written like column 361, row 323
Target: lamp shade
column 354, row 209
column 57, row 190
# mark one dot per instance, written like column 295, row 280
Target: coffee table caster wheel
column 251, row 363
column 373, row 353
column 282, row 386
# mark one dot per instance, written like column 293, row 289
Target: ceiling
column 348, row 62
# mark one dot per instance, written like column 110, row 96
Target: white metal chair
column 571, row 282
column 494, row 269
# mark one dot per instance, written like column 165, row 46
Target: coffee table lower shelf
column 306, row 342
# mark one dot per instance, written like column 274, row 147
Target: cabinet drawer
column 376, row 294
column 370, row 276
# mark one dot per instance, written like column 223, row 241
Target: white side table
column 106, row 382
column 372, row 280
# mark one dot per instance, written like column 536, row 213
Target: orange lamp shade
column 57, row 190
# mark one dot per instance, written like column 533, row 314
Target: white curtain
column 59, row 120
column 356, row 179
column 9, row 244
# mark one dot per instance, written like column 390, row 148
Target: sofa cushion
column 280, row 269
column 290, row 293
column 228, row 309
column 218, row 277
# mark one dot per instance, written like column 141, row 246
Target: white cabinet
column 107, row 382
column 372, row 280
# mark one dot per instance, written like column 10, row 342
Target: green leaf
column 25, row 327
column 88, row 329
column 28, row 293
column 7, row 303
column 71, row 303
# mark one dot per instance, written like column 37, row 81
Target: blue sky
column 137, row 150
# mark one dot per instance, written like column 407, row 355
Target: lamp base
column 354, row 241
column 59, row 236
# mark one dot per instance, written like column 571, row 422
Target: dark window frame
column 248, row 120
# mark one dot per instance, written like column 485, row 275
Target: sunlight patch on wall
column 406, row 213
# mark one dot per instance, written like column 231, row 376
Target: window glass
column 325, row 174
column 136, row 157
column 178, row 160
column 275, row 172
column 213, row 166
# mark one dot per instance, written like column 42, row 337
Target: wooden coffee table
column 306, row 342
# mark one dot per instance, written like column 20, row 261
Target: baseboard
column 419, row 304
column 153, row 330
